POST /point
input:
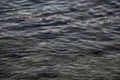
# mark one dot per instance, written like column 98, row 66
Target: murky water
column 59, row 39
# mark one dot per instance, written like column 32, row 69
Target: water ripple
column 59, row 40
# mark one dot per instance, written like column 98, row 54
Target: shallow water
column 59, row 40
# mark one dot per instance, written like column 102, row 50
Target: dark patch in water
column 13, row 55
column 47, row 35
column 35, row 25
column 36, row 1
column 48, row 74
column 97, row 52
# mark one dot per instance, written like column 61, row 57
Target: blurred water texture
column 59, row 39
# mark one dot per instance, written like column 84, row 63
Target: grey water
column 59, row 39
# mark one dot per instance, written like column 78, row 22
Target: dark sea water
column 59, row 39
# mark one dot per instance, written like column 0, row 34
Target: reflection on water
column 59, row 40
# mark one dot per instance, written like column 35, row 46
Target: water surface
column 59, row 40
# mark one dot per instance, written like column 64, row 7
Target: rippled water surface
column 59, row 39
